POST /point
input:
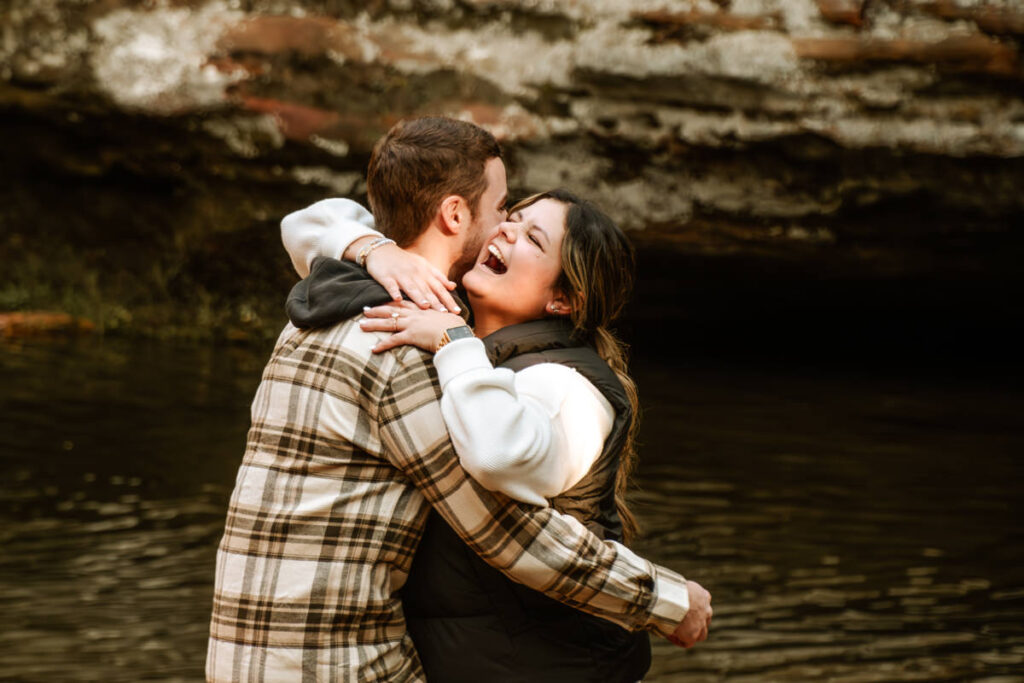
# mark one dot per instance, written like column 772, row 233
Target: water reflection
column 116, row 464
column 850, row 529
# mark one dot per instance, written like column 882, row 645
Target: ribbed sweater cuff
column 458, row 357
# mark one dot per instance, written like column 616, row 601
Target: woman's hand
column 408, row 324
column 399, row 271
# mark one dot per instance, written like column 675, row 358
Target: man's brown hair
column 420, row 162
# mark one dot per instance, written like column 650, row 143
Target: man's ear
column 559, row 304
column 455, row 214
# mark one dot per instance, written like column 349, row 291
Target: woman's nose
column 509, row 230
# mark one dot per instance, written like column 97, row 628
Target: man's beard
column 470, row 253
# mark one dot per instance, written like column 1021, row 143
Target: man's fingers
column 681, row 642
column 697, row 622
column 686, row 637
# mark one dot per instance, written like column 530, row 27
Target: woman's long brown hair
column 598, row 262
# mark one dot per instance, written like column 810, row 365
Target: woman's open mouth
column 494, row 260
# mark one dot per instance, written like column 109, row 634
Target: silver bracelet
column 365, row 251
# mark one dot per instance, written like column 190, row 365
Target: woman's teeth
column 497, row 254
column 494, row 260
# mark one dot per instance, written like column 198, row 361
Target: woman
column 553, row 423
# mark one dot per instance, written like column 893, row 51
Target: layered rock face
column 151, row 147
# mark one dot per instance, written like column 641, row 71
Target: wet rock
column 843, row 11
column 152, row 147
column 1000, row 18
column 42, row 324
column 973, row 53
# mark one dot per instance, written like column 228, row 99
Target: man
column 348, row 448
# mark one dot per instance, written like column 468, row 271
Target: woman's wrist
column 459, row 357
column 351, row 252
column 365, row 252
column 450, row 334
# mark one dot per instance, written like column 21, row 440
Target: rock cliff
column 151, row 147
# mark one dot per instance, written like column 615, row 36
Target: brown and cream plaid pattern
column 346, row 451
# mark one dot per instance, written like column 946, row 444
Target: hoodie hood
column 334, row 291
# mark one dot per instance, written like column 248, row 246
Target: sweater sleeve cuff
column 335, row 242
column 458, row 357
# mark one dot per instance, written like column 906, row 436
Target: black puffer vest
column 468, row 621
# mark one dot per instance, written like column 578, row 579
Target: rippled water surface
column 851, row 527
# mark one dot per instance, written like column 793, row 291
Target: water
column 850, row 527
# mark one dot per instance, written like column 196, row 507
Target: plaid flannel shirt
column 346, row 451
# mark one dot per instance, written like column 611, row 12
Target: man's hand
column 694, row 626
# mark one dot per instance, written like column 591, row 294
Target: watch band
column 453, row 333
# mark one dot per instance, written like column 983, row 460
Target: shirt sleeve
column 326, row 228
column 538, row 547
column 531, row 434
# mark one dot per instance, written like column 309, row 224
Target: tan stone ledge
column 974, row 53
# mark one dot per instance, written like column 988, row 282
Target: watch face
column 460, row 332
